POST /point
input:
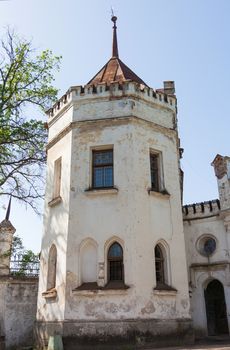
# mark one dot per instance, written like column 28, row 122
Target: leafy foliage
column 17, row 245
column 26, row 80
column 24, row 261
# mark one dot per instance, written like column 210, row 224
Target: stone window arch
column 52, row 268
column 115, row 262
column 88, row 261
column 159, row 265
column 162, row 267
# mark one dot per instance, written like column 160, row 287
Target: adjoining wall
column 203, row 221
column 18, row 302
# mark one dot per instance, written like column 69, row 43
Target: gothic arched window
column 115, row 263
column 52, row 264
column 159, row 264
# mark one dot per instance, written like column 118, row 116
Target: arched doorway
column 217, row 321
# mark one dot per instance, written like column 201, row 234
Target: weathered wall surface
column 132, row 217
column 55, row 230
column 18, row 302
column 133, row 123
column 203, row 269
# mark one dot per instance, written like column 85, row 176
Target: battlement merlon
column 125, row 99
column 201, row 210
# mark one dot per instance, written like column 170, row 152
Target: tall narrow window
column 52, row 264
column 57, row 178
column 102, row 169
column 159, row 264
column 154, row 168
column 115, row 263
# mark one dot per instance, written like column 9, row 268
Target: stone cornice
column 108, row 122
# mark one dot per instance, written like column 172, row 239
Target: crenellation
column 116, row 89
column 202, row 209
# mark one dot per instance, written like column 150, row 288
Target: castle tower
column 113, row 260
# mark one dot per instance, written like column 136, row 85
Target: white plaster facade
column 203, row 220
column 133, row 121
column 82, row 221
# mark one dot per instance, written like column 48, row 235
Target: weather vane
column 113, row 17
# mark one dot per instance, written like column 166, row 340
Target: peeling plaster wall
column 18, row 301
column 137, row 219
column 55, row 231
column 202, row 269
column 112, row 104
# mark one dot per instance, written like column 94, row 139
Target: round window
column 207, row 245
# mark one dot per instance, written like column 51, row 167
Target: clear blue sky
column 187, row 41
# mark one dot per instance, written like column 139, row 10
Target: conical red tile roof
column 115, row 71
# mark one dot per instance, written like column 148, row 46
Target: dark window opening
column 102, row 169
column 159, row 264
column 209, row 246
column 154, row 168
column 115, row 263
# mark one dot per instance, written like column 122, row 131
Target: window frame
column 160, row 180
column 115, row 259
column 101, row 150
column 57, row 177
column 160, row 260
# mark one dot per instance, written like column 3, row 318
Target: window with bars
column 115, row 263
column 155, row 172
column 159, row 265
column 102, row 169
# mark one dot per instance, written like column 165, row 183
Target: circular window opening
column 207, row 246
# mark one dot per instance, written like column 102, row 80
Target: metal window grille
column 159, row 264
column 115, row 263
column 18, row 266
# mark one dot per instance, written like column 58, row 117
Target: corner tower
column 113, row 260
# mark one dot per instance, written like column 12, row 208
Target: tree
column 26, row 80
column 23, row 262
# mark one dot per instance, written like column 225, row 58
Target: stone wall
column 198, row 226
column 18, row 302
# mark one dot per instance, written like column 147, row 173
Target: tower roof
column 115, row 70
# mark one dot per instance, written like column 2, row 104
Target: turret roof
column 115, row 70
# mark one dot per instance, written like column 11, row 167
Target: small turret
column 6, row 236
column 221, row 166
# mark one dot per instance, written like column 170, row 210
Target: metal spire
column 115, row 46
column 8, row 210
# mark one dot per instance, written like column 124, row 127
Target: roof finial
column 8, row 210
column 114, row 47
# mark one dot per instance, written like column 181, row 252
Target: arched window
column 52, row 264
column 115, row 263
column 159, row 264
